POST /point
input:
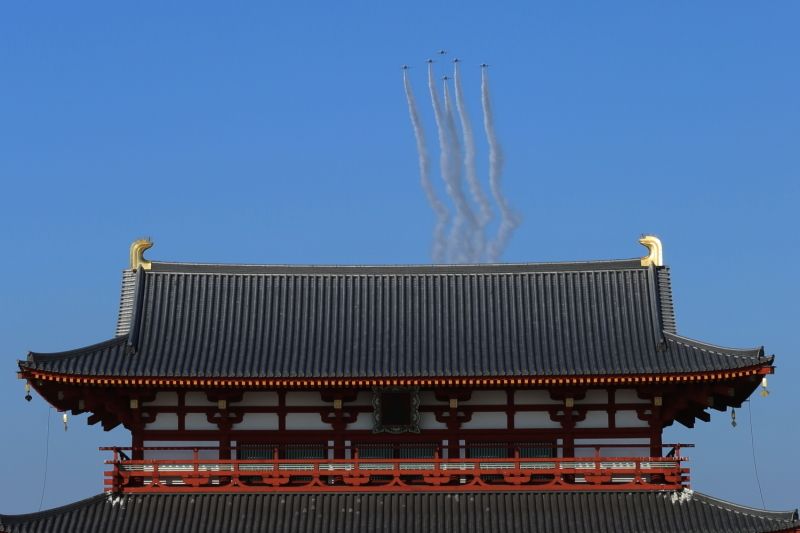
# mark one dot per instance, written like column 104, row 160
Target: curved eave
column 35, row 357
column 721, row 350
column 684, row 358
column 7, row 521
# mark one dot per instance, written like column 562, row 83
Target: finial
column 137, row 254
column 656, row 255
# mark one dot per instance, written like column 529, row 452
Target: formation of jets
column 455, row 60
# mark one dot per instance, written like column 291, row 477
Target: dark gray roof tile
column 551, row 319
column 512, row 512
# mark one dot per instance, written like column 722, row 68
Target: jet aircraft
column 405, row 67
column 483, row 65
column 456, row 60
column 430, row 61
column 442, row 52
column 445, row 78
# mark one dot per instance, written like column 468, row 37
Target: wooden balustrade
column 401, row 475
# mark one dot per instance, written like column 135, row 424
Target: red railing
column 415, row 474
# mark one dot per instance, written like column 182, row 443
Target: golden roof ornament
column 656, row 255
column 137, row 254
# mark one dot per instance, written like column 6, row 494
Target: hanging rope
column 753, row 447
column 46, row 456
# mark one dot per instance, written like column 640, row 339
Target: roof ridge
column 478, row 268
column 442, row 265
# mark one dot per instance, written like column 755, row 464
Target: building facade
column 507, row 397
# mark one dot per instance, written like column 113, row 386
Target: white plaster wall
column 487, row 421
column 258, row 421
column 428, row 421
column 628, row 396
column 428, row 397
column 364, row 398
column 305, row 399
column 305, row 421
column 535, row 420
column 180, row 454
column 594, row 396
column 610, row 451
column 197, row 421
column 164, row 421
column 164, row 398
column 487, row 397
column 198, row 399
column 364, row 421
column 594, row 419
column 534, row 397
column 258, row 399
column 629, row 419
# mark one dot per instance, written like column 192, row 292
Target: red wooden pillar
column 137, row 441
column 655, row 444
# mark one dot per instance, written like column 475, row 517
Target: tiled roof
column 512, row 512
column 540, row 319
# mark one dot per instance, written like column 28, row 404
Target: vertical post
column 569, row 444
column 225, row 446
column 137, row 443
column 656, row 447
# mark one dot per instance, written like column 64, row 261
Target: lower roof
column 567, row 512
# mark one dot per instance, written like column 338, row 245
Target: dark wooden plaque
column 396, row 409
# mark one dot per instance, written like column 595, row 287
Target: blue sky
column 279, row 133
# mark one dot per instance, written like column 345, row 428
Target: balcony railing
column 415, row 474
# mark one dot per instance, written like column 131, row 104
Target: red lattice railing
column 416, row 474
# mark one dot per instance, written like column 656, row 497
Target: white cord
column 46, row 456
column 753, row 447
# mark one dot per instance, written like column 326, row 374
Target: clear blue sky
column 279, row 133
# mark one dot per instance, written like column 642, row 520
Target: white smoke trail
column 439, row 246
column 510, row 219
column 464, row 238
column 444, row 163
column 485, row 211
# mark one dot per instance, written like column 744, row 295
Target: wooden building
column 504, row 397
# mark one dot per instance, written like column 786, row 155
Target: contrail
column 464, row 238
column 444, row 163
column 485, row 212
column 510, row 219
column 439, row 246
